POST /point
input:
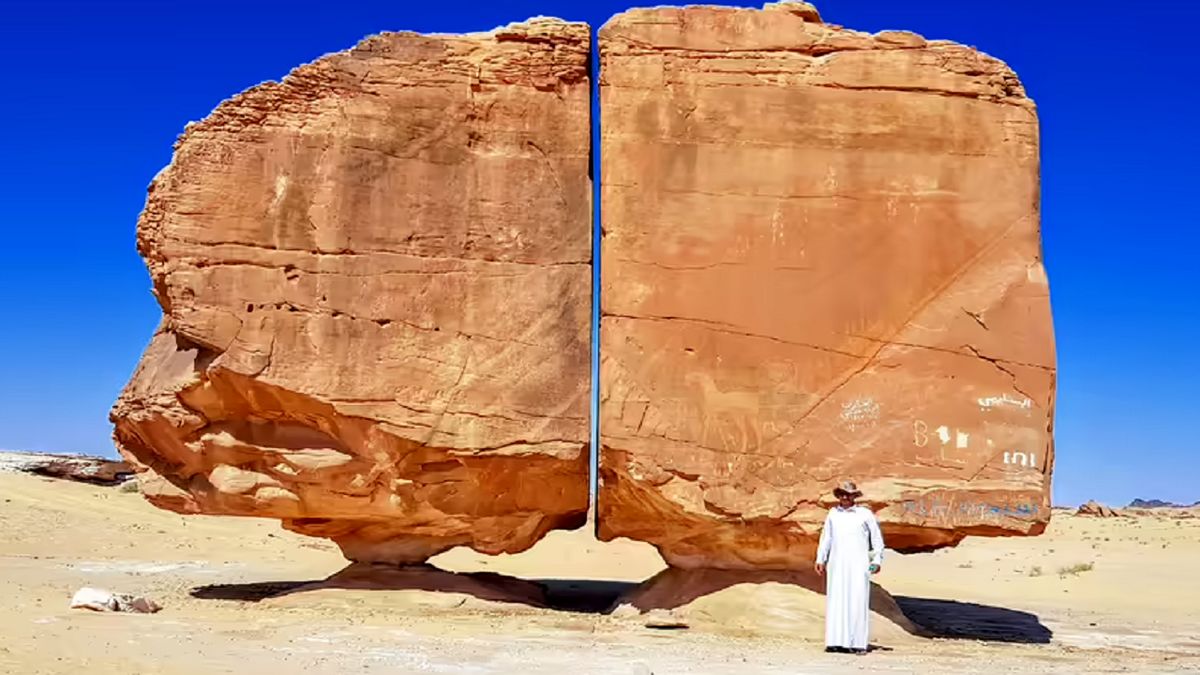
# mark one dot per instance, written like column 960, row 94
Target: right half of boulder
column 821, row 261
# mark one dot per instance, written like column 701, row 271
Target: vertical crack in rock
column 812, row 237
column 375, row 280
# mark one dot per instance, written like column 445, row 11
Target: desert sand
column 242, row 595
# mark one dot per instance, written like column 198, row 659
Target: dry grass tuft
column 1075, row 569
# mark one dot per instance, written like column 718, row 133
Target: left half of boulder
column 375, row 277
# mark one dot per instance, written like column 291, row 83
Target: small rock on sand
column 100, row 600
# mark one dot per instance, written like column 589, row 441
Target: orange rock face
column 375, row 280
column 821, row 262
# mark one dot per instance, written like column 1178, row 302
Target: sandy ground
column 235, row 601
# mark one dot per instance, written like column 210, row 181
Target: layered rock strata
column 375, row 281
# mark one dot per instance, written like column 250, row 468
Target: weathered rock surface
column 1094, row 508
column 821, row 262
column 80, row 468
column 375, row 277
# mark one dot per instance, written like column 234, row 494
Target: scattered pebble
column 100, row 600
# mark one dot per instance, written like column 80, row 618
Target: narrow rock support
column 821, row 261
column 375, row 281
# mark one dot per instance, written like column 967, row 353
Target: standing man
column 851, row 550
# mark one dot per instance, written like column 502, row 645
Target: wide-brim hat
column 847, row 487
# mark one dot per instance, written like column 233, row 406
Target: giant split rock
column 375, row 281
column 821, row 261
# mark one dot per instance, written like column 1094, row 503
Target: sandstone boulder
column 821, row 262
column 375, row 281
column 1094, row 508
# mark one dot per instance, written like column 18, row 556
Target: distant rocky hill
column 1159, row 504
column 81, row 468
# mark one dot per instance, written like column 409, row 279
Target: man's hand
column 874, row 569
column 820, row 568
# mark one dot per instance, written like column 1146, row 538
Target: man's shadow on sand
column 668, row 590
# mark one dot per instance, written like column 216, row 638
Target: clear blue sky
column 95, row 93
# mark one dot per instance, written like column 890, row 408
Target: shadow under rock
column 252, row 592
column 670, row 589
column 568, row 595
column 970, row 621
column 924, row 617
column 800, row 601
column 584, row 595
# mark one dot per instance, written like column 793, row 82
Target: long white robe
column 850, row 543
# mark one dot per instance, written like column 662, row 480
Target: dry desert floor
column 244, row 596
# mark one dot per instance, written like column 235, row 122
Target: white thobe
column 850, row 543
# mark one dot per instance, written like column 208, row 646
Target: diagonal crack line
column 991, row 97
column 984, row 465
column 691, row 443
column 270, row 354
column 682, row 475
column 867, row 361
column 707, row 322
column 642, row 420
column 337, row 313
column 204, row 264
column 709, row 266
column 562, row 194
column 348, row 252
column 1000, row 366
column 424, row 411
column 928, row 300
column 441, row 415
column 977, row 316
column 719, row 326
column 946, row 350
